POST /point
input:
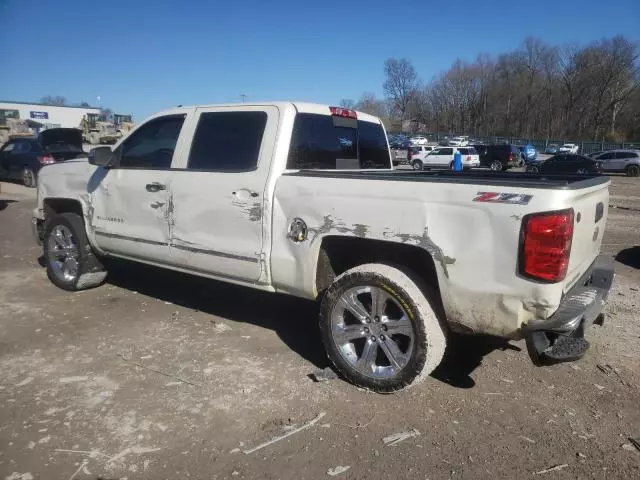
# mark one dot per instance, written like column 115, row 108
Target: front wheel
column 380, row 328
column 632, row 171
column 29, row 178
column 417, row 165
column 71, row 263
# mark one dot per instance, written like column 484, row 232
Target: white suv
column 569, row 148
column 418, row 140
column 442, row 157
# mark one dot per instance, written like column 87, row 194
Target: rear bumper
column 581, row 307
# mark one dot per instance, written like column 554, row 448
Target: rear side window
column 446, row 151
column 325, row 142
column 607, row 156
column 467, row 151
column 227, row 141
column 626, row 155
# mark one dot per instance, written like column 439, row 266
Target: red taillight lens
column 46, row 159
column 511, row 157
column 343, row 112
column 546, row 244
column 468, row 158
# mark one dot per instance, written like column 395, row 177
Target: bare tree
column 401, row 81
column 347, row 103
column 56, row 100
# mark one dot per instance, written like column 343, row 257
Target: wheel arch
column 338, row 253
column 56, row 205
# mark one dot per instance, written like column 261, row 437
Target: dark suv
column 498, row 157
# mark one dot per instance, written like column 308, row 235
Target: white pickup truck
column 301, row 199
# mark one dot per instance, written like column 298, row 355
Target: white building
column 47, row 116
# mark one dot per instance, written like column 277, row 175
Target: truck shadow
column 629, row 257
column 294, row 320
column 464, row 354
column 5, row 203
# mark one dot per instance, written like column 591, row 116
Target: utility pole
column 243, row 96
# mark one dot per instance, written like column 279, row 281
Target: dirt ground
column 158, row 375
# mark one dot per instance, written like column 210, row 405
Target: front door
column 220, row 193
column 132, row 200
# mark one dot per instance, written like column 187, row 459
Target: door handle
column 155, row 187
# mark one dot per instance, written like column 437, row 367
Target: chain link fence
column 586, row 147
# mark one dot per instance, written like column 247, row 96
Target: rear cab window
column 328, row 142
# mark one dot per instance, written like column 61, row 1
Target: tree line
column 589, row 92
column 60, row 101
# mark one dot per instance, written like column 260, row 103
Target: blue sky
column 141, row 57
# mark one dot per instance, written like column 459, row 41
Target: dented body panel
column 236, row 226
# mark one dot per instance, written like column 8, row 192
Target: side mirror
column 101, row 156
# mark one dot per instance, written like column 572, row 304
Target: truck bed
column 507, row 179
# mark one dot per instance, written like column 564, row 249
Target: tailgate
column 590, row 215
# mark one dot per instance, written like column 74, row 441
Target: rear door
column 440, row 157
column 622, row 159
column 5, row 156
column 219, row 192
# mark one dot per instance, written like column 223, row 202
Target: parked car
column 498, row 157
column 459, row 141
column 419, row 140
column 622, row 161
column 566, row 164
column 418, row 154
column 22, row 158
column 551, row 149
column 396, row 260
column 443, row 157
column 569, row 148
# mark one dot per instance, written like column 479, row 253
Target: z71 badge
column 497, row 197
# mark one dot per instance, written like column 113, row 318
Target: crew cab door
column 131, row 201
column 219, row 193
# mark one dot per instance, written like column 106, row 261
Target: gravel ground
column 160, row 375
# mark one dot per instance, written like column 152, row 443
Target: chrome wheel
column 372, row 331
column 63, row 253
column 496, row 166
column 582, row 171
column 417, row 165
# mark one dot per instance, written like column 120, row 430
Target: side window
column 8, row 147
column 607, row 156
column 153, row 144
column 446, row 151
column 372, row 146
column 436, row 151
column 227, row 141
column 22, row 147
column 626, row 155
column 463, row 151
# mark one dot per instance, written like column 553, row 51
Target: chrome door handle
column 155, row 187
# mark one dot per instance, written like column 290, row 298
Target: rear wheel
column 632, row 171
column 71, row 263
column 380, row 329
column 582, row 171
column 29, row 178
column 417, row 165
column 496, row 166
column 533, row 169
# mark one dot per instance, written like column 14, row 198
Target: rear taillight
column 468, row 158
column 343, row 112
column 46, row 159
column 511, row 157
column 545, row 245
column 409, row 154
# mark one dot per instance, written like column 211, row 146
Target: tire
column 533, row 169
column 632, row 171
column 417, row 165
column 582, row 171
column 71, row 263
column 496, row 166
column 417, row 346
column 29, row 178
